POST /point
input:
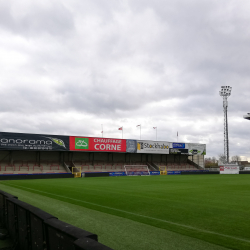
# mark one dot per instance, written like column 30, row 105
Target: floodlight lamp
column 225, row 91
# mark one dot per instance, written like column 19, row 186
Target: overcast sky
column 68, row 66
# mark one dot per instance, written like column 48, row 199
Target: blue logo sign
column 178, row 145
column 155, row 173
column 174, row 172
column 117, row 173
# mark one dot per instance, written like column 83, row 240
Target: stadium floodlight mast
column 225, row 93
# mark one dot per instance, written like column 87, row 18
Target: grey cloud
column 54, row 19
column 158, row 63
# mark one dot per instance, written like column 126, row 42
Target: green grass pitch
column 154, row 212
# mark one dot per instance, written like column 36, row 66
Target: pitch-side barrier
column 31, row 228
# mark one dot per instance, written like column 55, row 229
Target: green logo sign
column 58, row 141
column 81, row 143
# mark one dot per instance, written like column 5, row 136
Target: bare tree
column 236, row 158
column 214, row 160
column 211, row 162
column 222, row 158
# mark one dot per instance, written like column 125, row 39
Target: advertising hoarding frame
column 96, row 144
column 153, row 147
column 33, row 142
column 45, row 142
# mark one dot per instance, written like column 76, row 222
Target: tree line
column 212, row 162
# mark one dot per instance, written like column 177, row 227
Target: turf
column 156, row 212
column 5, row 243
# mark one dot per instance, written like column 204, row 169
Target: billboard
column 196, row 149
column 153, row 147
column 78, row 143
column 229, row 169
column 21, row 141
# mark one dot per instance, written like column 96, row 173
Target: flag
column 154, row 127
column 120, row 128
column 138, row 125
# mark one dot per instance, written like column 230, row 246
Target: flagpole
column 155, row 133
column 177, row 136
column 140, row 131
column 102, row 130
column 122, row 132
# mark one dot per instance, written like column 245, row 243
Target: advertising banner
column 178, row 145
column 153, row 147
column 178, row 151
column 198, row 170
column 97, row 144
column 117, row 174
column 155, row 172
column 20, row 141
column 173, row 172
column 196, row 149
column 131, row 146
column 138, row 173
column 229, row 169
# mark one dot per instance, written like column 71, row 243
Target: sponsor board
column 155, row 172
column 195, row 170
column 21, row 141
column 173, row 172
column 196, row 149
column 153, row 147
column 117, row 174
column 97, row 144
column 247, row 168
column 138, row 173
column 229, row 169
column 178, row 151
column 178, row 145
column 131, row 146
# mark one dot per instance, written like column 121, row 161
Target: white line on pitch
column 140, row 215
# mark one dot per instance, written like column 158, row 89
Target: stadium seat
column 9, row 167
column 54, row 166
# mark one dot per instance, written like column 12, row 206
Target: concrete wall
column 198, row 159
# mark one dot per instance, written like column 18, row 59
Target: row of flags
column 121, row 128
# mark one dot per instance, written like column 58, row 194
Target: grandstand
column 53, row 154
column 118, row 166
column 19, row 162
column 26, row 167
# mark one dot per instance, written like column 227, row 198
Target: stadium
column 51, row 154
column 47, row 201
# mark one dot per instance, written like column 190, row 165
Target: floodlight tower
column 225, row 93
